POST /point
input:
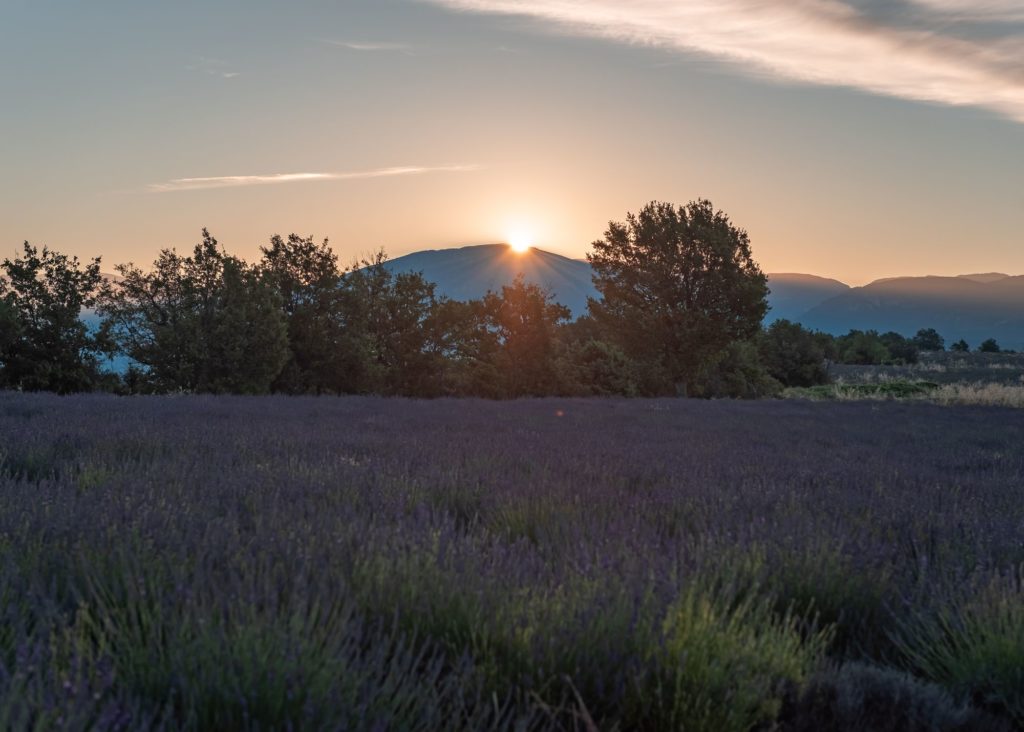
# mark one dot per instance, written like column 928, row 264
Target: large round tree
column 678, row 285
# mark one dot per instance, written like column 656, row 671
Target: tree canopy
column 680, row 312
column 793, row 355
column 677, row 286
column 205, row 322
column 44, row 343
column 524, row 322
column 928, row 339
column 306, row 277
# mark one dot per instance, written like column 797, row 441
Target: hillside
column 973, row 307
column 467, row 273
column 793, row 294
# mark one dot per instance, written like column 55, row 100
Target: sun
column 521, row 242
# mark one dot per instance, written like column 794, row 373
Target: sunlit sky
column 854, row 139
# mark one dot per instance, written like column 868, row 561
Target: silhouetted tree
column 390, row 319
column 928, row 339
column 204, row 323
column 678, row 285
column 307, row 279
column 468, row 349
column 793, row 355
column 44, row 344
column 597, row 368
column 249, row 337
column 737, row 372
column 989, row 345
column 10, row 335
column 828, row 345
column 961, row 346
column 862, row 347
column 591, row 365
column 525, row 319
column 902, row 350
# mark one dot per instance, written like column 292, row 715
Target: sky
column 853, row 139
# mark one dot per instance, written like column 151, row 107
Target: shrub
column 286, row 662
column 826, row 589
column 736, row 373
column 725, row 664
column 857, row 697
column 975, row 648
column 862, row 347
column 74, row 695
column 901, row 350
column 793, row 355
column 597, row 368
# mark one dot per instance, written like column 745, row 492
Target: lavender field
column 228, row 563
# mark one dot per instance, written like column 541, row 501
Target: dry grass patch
column 994, row 395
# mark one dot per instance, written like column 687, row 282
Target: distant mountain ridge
column 791, row 295
column 971, row 306
column 965, row 307
column 986, row 277
column 467, row 273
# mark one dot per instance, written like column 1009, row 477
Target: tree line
column 680, row 311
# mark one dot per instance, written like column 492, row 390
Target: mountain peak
column 468, row 272
column 973, row 307
column 986, row 278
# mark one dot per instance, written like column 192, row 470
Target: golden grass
column 993, row 395
column 885, row 389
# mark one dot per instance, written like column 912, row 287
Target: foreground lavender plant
column 278, row 563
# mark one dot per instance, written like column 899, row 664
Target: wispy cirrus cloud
column 374, row 46
column 238, row 181
column 213, row 67
column 990, row 10
column 921, row 50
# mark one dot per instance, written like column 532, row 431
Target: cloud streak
column 1006, row 11
column 926, row 52
column 239, row 181
column 373, row 47
column 213, row 67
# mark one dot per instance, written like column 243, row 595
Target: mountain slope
column 969, row 307
column 466, row 273
column 792, row 294
column 469, row 272
column 986, row 277
column 974, row 307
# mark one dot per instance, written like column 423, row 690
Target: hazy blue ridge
column 974, row 307
column 469, row 272
column 958, row 307
column 791, row 295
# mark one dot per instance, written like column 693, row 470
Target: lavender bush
column 362, row 563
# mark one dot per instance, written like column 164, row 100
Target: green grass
column 726, row 665
column 974, row 648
